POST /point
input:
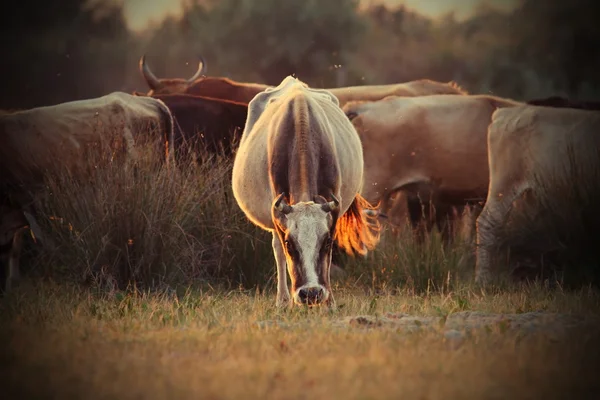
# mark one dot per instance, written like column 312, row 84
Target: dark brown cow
column 224, row 88
column 200, row 85
column 215, row 124
column 561, row 102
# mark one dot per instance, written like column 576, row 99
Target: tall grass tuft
column 552, row 229
column 417, row 263
column 148, row 224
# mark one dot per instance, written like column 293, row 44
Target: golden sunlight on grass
column 63, row 342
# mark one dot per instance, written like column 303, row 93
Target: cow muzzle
column 310, row 296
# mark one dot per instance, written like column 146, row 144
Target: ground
column 531, row 342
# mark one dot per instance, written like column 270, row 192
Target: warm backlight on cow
column 298, row 174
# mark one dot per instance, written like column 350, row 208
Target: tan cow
column 535, row 153
column 421, row 87
column 42, row 141
column 432, row 146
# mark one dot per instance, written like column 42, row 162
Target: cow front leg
column 330, row 302
column 13, row 274
column 283, row 292
column 485, row 249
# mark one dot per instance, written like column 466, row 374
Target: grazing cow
column 215, row 123
column 41, row 141
column 535, row 153
column 561, row 102
column 224, row 88
column 298, row 174
column 433, row 147
column 200, row 85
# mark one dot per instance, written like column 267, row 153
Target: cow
column 298, row 174
column 225, row 88
column 214, row 123
column 561, row 102
column 433, row 148
column 42, row 141
column 420, row 87
column 200, row 85
column 537, row 155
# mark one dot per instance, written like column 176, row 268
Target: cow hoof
column 284, row 302
column 330, row 304
column 482, row 279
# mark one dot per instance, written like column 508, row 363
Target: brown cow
column 536, row 155
column 199, row 85
column 41, row 141
column 225, row 88
column 431, row 146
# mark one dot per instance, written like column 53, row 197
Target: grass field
column 59, row 341
column 158, row 287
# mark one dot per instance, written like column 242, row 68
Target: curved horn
column 281, row 205
column 332, row 205
column 201, row 70
column 150, row 78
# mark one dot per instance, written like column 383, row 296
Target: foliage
column 83, row 49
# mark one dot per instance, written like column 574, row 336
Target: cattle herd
column 316, row 167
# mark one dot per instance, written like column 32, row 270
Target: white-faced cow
column 43, row 141
column 433, row 147
column 298, row 174
column 536, row 153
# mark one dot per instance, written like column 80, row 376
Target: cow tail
column 358, row 231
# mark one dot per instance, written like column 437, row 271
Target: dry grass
column 161, row 250
column 149, row 226
column 61, row 342
column 552, row 230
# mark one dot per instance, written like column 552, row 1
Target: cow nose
column 312, row 295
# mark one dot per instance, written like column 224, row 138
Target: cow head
column 306, row 233
column 169, row 86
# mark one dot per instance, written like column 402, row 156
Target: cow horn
column 281, row 205
column 150, row 78
column 332, row 205
column 201, row 70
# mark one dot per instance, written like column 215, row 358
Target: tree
column 269, row 39
column 560, row 40
column 54, row 54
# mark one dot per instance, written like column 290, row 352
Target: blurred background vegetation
column 84, row 48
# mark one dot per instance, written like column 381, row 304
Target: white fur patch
column 307, row 225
